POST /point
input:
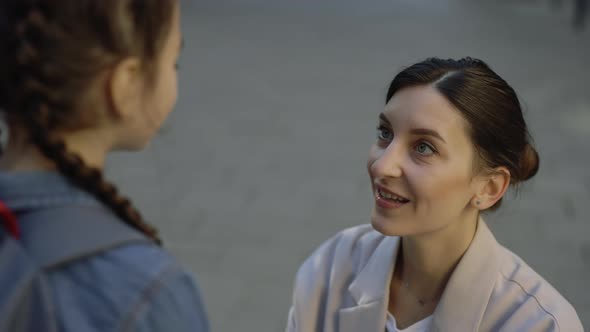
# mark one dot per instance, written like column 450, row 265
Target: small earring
column 477, row 202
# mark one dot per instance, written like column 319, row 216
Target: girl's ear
column 124, row 87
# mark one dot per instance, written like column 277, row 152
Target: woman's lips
column 387, row 199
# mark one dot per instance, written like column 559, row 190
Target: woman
column 450, row 142
column 79, row 79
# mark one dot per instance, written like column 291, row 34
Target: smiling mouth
column 391, row 197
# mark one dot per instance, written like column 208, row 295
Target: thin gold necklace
column 421, row 302
column 406, row 284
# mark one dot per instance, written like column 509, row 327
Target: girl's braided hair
column 51, row 51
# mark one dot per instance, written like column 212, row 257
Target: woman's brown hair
column 51, row 53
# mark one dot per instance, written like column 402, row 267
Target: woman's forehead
column 424, row 107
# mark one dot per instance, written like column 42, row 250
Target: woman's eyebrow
column 416, row 131
column 427, row 132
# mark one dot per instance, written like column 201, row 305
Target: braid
column 41, row 108
column 86, row 177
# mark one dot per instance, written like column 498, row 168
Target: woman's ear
column 124, row 88
column 492, row 187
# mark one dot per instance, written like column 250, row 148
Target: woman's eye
column 424, row 149
column 384, row 134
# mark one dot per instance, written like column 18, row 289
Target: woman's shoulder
column 127, row 283
column 324, row 282
column 355, row 243
column 345, row 253
column 534, row 299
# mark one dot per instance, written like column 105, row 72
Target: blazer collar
column 462, row 304
column 372, row 282
column 468, row 291
column 370, row 290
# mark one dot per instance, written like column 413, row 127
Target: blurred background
column 264, row 157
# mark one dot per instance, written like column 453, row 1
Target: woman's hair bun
column 529, row 163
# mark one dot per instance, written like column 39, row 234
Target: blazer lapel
column 370, row 290
column 468, row 291
column 367, row 318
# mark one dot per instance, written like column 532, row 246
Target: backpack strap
column 60, row 235
column 9, row 220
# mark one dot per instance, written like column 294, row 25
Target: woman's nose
column 387, row 161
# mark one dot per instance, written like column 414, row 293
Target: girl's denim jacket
column 134, row 287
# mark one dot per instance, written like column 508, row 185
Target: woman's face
column 421, row 165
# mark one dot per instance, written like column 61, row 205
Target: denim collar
column 22, row 191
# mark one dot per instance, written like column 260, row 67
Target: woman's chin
column 388, row 226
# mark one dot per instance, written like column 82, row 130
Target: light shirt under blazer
column 343, row 287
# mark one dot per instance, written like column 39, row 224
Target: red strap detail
column 9, row 220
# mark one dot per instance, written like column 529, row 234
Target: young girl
column 450, row 141
column 78, row 79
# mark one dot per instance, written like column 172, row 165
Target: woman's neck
column 428, row 260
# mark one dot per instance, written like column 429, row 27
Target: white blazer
column 343, row 287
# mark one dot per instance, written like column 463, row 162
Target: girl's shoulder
column 122, row 287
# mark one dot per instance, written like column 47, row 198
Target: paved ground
column 264, row 157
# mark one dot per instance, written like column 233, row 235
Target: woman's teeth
column 392, row 197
